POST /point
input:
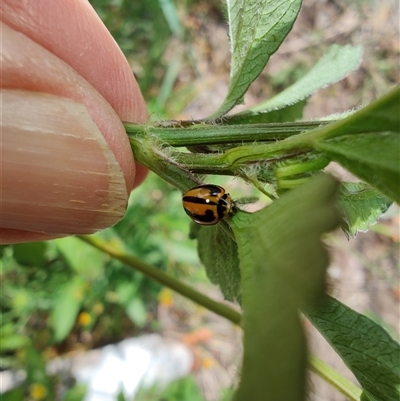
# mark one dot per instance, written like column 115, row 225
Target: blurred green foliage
column 156, row 37
column 147, row 32
column 179, row 390
column 142, row 32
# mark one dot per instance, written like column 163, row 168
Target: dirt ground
column 364, row 272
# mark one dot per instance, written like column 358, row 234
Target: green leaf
column 373, row 158
column 178, row 390
column 256, row 30
column 35, row 367
column 76, row 393
column 182, row 389
column 218, row 252
column 30, row 254
column 121, row 396
column 87, row 261
column 283, row 266
column 361, row 207
column 126, row 291
column 137, row 312
column 12, row 342
column 366, row 397
column 66, row 307
column 16, row 394
column 381, row 115
column 336, row 64
column 365, row 347
column 172, row 17
column 292, row 112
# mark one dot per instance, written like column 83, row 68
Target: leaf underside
column 335, row 65
column 283, row 264
column 373, row 158
column 256, row 30
column 365, row 347
column 218, row 252
column 361, row 206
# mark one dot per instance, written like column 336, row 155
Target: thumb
column 58, row 175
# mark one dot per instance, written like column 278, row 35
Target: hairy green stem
column 180, row 133
column 153, row 157
column 151, row 152
column 151, row 144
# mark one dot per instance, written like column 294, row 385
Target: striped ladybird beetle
column 208, row 204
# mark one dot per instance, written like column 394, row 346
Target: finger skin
column 72, row 32
column 58, row 173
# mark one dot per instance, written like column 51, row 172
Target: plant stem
column 151, row 144
column 180, row 133
column 331, row 376
column 160, row 162
column 166, row 280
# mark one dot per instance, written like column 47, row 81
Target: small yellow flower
column 38, row 391
column 84, row 319
column 98, row 308
column 207, row 363
column 165, row 298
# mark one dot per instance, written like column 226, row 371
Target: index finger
column 71, row 30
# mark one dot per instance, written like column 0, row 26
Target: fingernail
column 58, row 175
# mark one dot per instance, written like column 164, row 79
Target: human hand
column 67, row 167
